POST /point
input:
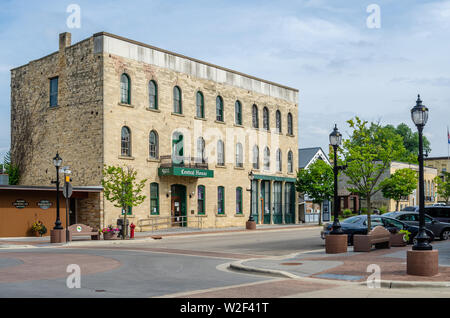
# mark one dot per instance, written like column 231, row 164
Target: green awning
column 185, row 172
column 273, row 178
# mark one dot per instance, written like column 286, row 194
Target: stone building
column 442, row 164
column 194, row 130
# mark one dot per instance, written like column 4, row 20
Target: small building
column 442, row 164
column 309, row 212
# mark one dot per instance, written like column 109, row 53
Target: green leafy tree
column 400, row 184
column 443, row 186
column 317, row 182
column 121, row 188
column 11, row 169
column 368, row 153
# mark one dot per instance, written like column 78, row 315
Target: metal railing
column 185, row 162
column 167, row 222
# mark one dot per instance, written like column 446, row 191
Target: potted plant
column 38, row 228
column 400, row 238
column 110, row 233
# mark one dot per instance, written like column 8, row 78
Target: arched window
column 255, row 157
column 177, row 148
column 238, row 200
column 219, row 108
column 239, row 155
column 255, row 119
column 200, row 150
column 266, row 118
column 266, row 158
column 125, row 84
column 125, row 142
column 153, row 145
column 153, row 95
column 289, row 124
column 200, row 105
column 154, row 198
column 201, row 195
column 238, row 112
column 279, row 160
column 290, row 162
column 220, row 153
column 220, row 200
column 278, row 121
column 177, row 102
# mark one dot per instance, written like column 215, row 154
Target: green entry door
column 277, row 204
column 265, row 201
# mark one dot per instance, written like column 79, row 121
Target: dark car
column 358, row 225
column 439, row 229
column 438, row 211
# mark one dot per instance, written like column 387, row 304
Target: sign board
column 44, row 204
column 186, row 172
column 67, row 190
column 20, row 204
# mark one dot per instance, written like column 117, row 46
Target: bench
column 83, row 230
column 379, row 236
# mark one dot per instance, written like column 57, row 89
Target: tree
column 443, row 186
column 317, row 182
column 400, row 184
column 368, row 153
column 121, row 188
column 11, row 169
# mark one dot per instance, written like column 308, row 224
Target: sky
column 347, row 58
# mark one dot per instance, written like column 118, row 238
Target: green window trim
column 153, row 94
column 239, row 201
column 154, row 198
column 201, row 195
column 200, row 102
column 177, row 100
column 125, row 89
column 219, row 109
column 220, row 200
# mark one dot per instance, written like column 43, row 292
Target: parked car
column 437, row 211
column 358, row 225
column 439, row 229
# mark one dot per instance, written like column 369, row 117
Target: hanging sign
column 44, row 204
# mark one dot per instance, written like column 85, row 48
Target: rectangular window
column 220, row 200
column 201, row 200
column 54, row 92
column 154, row 199
column 238, row 200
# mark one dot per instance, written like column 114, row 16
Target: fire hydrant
column 132, row 226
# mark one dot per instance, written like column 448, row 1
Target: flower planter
column 110, row 236
column 398, row 240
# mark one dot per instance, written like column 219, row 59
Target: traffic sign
column 67, row 190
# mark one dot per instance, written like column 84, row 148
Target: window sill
column 239, row 215
column 239, row 168
column 220, row 215
column 156, row 110
column 153, row 160
column 202, row 215
column 54, row 107
column 220, row 122
column 237, row 125
column 200, row 118
column 221, row 166
column 278, row 132
column 125, row 105
column 177, row 114
column 290, row 135
column 126, row 158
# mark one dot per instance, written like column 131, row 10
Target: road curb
column 238, row 266
column 411, row 284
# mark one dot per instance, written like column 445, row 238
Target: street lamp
column 419, row 115
column 335, row 141
column 251, row 177
column 57, row 163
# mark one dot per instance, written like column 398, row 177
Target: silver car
column 440, row 229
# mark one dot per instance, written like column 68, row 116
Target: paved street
column 191, row 266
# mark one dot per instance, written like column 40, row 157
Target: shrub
column 347, row 213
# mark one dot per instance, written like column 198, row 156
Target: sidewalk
column 26, row 242
column 351, row 267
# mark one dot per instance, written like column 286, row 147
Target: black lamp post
column 251, row 177
column 57, row 162
column 419, row 115
column 335, row 141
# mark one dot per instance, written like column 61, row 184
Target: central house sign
column 44, row 204
column 185, row 172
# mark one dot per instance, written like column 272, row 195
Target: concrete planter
column 110, row 236
column 398, row 239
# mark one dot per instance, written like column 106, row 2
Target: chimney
column 65, row 40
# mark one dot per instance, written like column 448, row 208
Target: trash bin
column 121, row 228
